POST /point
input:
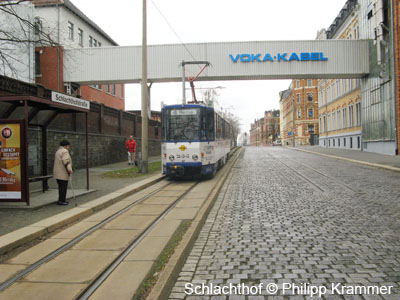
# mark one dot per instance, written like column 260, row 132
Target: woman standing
column 62, row 171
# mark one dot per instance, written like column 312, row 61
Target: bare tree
column 20, row 32
column 210, row 97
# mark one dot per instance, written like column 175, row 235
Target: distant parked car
column 277, row 143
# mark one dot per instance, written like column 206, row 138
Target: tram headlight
column 171, row 158
column 195, row 157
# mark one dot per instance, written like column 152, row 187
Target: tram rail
column 32, row 273
column 73, row 242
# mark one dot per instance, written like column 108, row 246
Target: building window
column 298, row 98
column 38, row 26
column 351, row 142
column 299, row 113
column 351, row 116
column 358, row 114
column 310, row 113
column 344, row 117
column 297, row 83
column 94, row 43
column 309, row 82
column 329, row 123
column 113, row 89
column 37, row 63
column 311, row 129
column 344, row 142
column 80, row 37
column 338, row 88
column 320, row 125
column 338, row 142
column 338, row 120
column 325, row 126
column 333, row 142
column 358, row 142
column 309, row 97
column 333, row 91
column 328, row 94
column 70, row 30
column 90, row 41
column 107, row 88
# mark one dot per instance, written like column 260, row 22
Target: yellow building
column 339, row 107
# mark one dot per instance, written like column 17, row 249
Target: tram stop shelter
column 17, row 113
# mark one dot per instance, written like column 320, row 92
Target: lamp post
column 145, row 121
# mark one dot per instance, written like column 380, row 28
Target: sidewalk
column 43, row 205
column 389, row 162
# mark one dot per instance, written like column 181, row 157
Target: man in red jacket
column 131, row 147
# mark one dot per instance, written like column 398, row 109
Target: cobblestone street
column 299, row 223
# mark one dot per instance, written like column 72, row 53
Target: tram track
column 315, row 185
column 110, row 267
column 93, row 257
column 332, row 179
column 103, row 276
column 328, row 177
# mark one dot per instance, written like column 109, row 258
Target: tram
column 196, row 140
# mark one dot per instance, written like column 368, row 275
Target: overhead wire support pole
column 145, row 120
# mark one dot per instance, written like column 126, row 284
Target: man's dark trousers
column 62, row 190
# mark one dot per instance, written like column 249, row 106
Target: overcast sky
column 213, row 21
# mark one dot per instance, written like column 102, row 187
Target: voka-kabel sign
column 263, row 57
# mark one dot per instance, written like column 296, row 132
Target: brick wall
column 51, row 64
column 101, row 96
column 108, row 130
column 51, row 77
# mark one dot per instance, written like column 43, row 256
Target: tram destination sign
column 68, row 100
column 263, row 57
column 183, row 112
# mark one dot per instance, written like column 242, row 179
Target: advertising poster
column 10, row 161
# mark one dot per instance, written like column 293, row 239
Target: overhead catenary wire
column 173, row 30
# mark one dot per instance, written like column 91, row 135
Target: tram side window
column 223, row 129
column 203, row 128
column 210, row 124
column 219, row 126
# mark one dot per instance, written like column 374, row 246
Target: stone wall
column 108, row 131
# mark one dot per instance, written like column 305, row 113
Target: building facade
column 339, row 107
column 70, row 28
column 257, row 133
column 299, row 111
column 378, row 103
column 271, row 126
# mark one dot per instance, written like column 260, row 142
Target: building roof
column 285, row 94
column 69, row 5
column 339, row 20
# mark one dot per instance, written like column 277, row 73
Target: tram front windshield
column 183, row 124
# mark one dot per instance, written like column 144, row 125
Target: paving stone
column 291, row 217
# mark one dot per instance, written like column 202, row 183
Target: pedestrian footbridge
column 323, row 59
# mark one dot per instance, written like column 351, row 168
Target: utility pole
column 145, row 121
